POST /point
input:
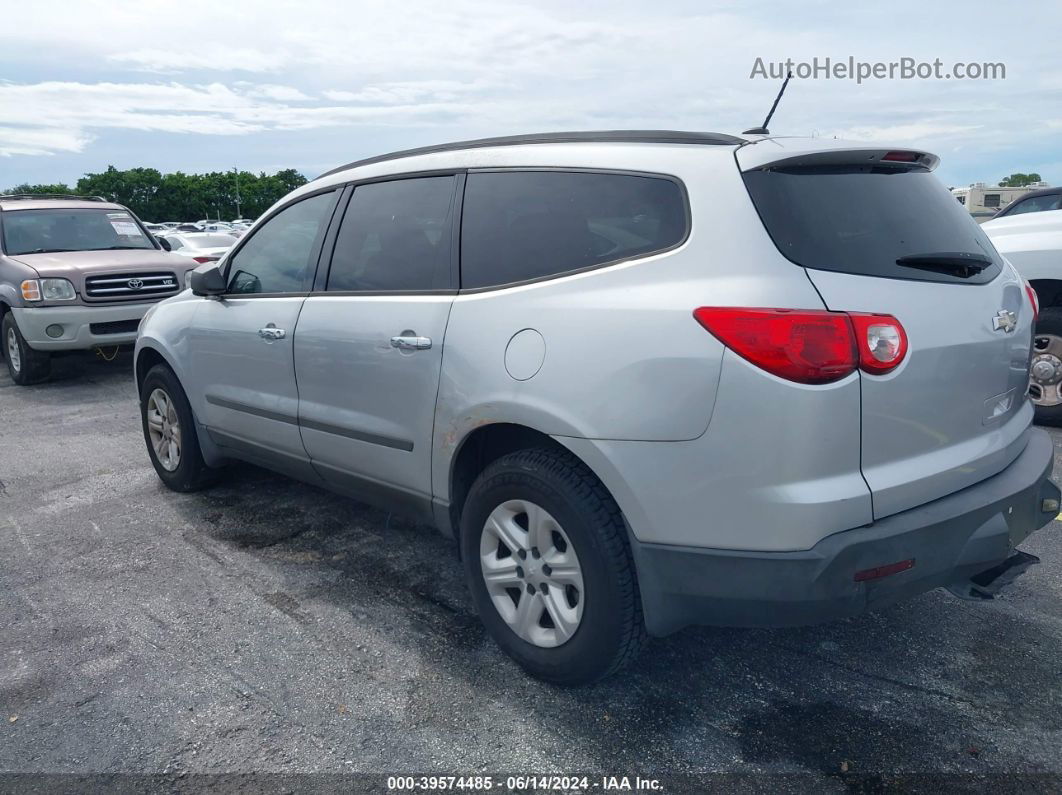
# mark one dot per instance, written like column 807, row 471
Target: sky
column 207, row 86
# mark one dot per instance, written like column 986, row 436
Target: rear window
column 861, row 220
column 524, row 225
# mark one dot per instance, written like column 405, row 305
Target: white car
column 1032, row 241
column 200, row 246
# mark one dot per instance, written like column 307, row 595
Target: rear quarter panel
column 624, row 358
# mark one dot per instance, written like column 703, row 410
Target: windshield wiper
column 962, row 264
column 41, row 251
column 117, row 248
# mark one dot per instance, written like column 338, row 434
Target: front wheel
column 549, row 566
column 1045, row 377
column 170, row 432
column 26, row 365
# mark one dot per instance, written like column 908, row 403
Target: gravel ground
column 266, row 625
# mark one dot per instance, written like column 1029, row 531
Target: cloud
column 478, row 67
column 225, row 59
column 58, row 116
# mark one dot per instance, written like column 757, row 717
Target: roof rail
column 603, row 136
column 32, row 196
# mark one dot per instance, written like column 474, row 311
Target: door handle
column 271, row 333
column 410, row 342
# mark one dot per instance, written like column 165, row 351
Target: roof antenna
column 763, row 129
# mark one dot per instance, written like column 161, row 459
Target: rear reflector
column 884, row 571
column 901, row 157
column 809, row 346
column 882, row 342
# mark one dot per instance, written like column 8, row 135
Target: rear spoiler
column 782, row 155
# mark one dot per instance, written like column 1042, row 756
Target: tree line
column 155, row 196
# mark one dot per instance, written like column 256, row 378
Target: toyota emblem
column 134, row 284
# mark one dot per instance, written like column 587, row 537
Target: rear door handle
column 409, row 342
column 271, row 333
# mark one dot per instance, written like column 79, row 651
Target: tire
column 1048, row 328
column 186, row 471
column 575, row 514
column 27, row 366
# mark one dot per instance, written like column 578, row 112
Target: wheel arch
column 147, row 357
column 1048, row 292
column 487, row 443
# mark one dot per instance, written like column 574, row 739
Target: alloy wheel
column 164, row 429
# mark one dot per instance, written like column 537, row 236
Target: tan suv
column 76, row 273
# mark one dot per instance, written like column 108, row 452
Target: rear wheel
column 170, row 432
column 548, row 563
column 26, row 365
column 1045, row 378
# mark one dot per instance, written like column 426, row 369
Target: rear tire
column 170, row 433
column 599, row 627
column 1048, row 344
column 26, row 365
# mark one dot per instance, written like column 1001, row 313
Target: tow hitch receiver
column 990, row 582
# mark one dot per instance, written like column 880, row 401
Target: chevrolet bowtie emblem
column 1004, row 321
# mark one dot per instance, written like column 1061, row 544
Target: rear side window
column 1036, row 204
column 279, row 256
column 395, row 236
column 863, row 219
column 523, row 225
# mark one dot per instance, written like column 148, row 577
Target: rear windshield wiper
column 962, row 264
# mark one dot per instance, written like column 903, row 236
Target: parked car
column 689, row 378
column 155, row 229
column 75, row 274
column 200, row 246
column 1032, row 242
column 1037, row 201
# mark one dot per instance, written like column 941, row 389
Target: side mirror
column 164, row 243
column 207, row 280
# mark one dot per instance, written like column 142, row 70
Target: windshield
column 43, row 231
column 872, row 221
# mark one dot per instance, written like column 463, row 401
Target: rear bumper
column 950, row 540
column 77, row 322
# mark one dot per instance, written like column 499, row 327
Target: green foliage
column 1019, row 180
column 154, row 196
column 25, row 187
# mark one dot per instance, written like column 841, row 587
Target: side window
column 521, row 225
column 395, row 236
column 277, row 258
column 1037, row 204
column 991, row 200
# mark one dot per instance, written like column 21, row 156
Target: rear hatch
column 876, row 232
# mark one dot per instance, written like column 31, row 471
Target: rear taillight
column 809, row 346
column 201, row 260
column 1033, row 299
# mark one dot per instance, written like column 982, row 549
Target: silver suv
column 76, row 273
column 645, row 379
